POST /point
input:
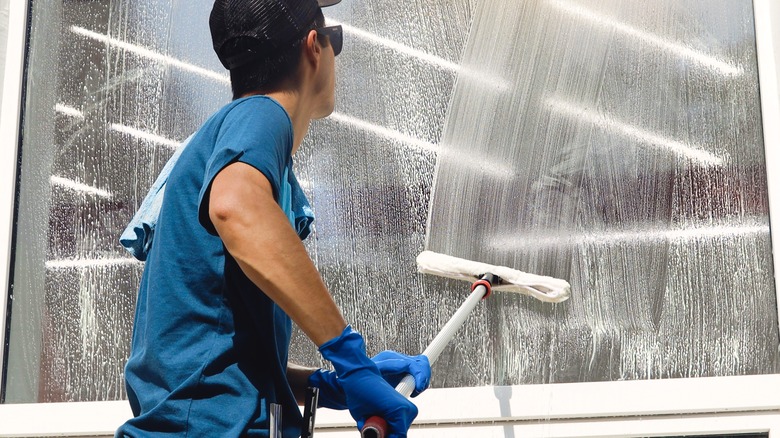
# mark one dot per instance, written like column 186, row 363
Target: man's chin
column 323, row 114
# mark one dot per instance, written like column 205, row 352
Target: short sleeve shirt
column 209, row 349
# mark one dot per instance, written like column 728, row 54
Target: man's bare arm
column 257, row 233
column 298, row 377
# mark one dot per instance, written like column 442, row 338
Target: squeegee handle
column 376, row 427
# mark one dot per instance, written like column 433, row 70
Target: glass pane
column 619, row 146
column 115, row 84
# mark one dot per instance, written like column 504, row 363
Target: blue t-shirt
column 209, row 349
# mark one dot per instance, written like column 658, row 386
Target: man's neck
column 298, row 112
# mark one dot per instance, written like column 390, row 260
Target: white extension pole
column 503, row 278
column 406, row 387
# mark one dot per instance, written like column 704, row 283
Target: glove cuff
column 331, row 394
column 322, row 379
column 347, row 353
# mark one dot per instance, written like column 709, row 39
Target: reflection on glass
column 604, row 142
column 634, row 136
column 115, row 85
column 104, row 111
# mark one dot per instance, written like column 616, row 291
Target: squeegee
column 486, row 278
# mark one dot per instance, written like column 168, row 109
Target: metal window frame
column 696, row 406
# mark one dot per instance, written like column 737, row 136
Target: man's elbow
column 223, row 212
column 239, row 194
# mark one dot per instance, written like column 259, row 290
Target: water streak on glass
column 620, row 147
column 115, row 85
column 112, row 88
column 615, row 145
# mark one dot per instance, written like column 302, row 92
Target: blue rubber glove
column 366, row 391
column 392, row 365
column 331, row 395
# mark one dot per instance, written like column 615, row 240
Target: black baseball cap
column 259, row 28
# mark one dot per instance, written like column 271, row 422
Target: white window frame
column 10, row 112
column 696, row 406
column 701, row 406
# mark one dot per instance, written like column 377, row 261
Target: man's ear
column 312, row 48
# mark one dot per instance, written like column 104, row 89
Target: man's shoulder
column 251, row 115
column 255, row 106
column 257, row 120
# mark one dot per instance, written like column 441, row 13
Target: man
column 227, row 270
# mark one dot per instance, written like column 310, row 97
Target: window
column 625, row 154
column 624, row 150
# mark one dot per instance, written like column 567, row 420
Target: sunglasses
column 335, row 36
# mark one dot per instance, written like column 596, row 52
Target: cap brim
column 324, row 3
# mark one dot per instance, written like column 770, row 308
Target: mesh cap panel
column 263, row 26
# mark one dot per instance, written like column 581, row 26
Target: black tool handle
column 310, row 411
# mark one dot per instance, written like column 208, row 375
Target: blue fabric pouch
column 139, row 233
column 295, row 204
column 137, row 237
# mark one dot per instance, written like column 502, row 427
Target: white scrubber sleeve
column 543, row 288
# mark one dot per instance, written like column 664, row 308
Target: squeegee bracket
column 487, row 280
